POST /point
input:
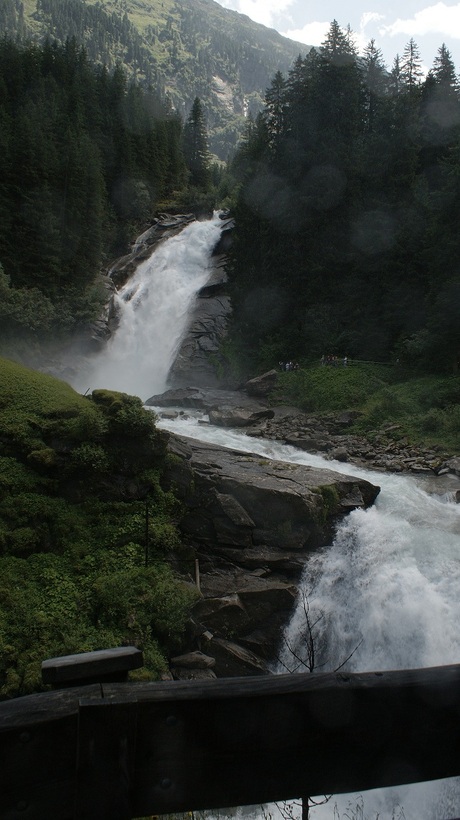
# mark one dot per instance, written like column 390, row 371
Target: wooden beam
column 160, row 748
column 92, row 667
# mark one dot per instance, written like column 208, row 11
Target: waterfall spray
column 153, row 309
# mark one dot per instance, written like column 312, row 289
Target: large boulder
column 241, row 501
column 262, row 386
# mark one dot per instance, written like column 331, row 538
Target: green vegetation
column 346, row 240
column 425, row 410
column 86, row 162
column 86, row 158
column 331, row 502
column 87, row 534
column 317, row 388
column 179, row 49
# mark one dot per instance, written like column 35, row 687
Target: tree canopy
column 346, row 234
column 85, row 159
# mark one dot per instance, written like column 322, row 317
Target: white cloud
column 261, row 11
column 313, row 34
column 361, row 38
column 438, row 19
column 370, row 17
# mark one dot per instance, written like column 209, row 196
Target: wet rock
column 234, row 416
column 233, row 660
column 225, row 615
column 241, row 501
column 339, row 454
column 452, row 465
column 194, row 660
column 226, row 408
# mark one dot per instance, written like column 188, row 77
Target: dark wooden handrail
column 123, row 750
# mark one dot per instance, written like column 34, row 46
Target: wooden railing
column 120, row 750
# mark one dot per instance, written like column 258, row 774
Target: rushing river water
column 390, row 581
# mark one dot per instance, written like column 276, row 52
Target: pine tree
column 196, row 151
column 443, row 70
column 375, row 81
column 411, row 66
column 338, row 48
column 440, row 109
column 276, row 110
column 395, row 82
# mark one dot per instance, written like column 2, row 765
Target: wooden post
column 197, row 575
column 105, row 760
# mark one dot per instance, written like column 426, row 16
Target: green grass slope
column 426, row 409
column 82, row 566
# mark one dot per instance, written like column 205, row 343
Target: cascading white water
column 153, row 309
column 391, row 578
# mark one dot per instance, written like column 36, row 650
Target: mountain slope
column 184, row 48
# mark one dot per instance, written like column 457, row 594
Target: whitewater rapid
column 388, row 584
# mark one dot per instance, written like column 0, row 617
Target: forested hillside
column 347, row 237
column 85, row 159
column 180, row 48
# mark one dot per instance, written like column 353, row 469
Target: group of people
column 287, row 366
column 334, row 360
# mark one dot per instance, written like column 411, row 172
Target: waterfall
column 389, row 582
column 153, row 308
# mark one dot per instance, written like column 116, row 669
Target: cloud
column 361, row 37
column 261, row 11
column 313, row 34
column 438, row 19
column 370, row 17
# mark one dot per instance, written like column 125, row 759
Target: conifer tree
column 440, row 109
column 395, row 80
column 195, row 145
column 275, row 110
column 411, row 66
column 375, row 81
column 338, row 47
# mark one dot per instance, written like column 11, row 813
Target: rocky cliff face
column 251, row 522
column 199, row 360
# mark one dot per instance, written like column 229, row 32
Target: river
column 389, row 582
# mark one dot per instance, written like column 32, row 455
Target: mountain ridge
column 183, row 49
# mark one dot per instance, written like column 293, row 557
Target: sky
column 390, row 24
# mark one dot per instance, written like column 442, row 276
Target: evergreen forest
column 181, row 49
column 347, row 212
column 86, row 161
